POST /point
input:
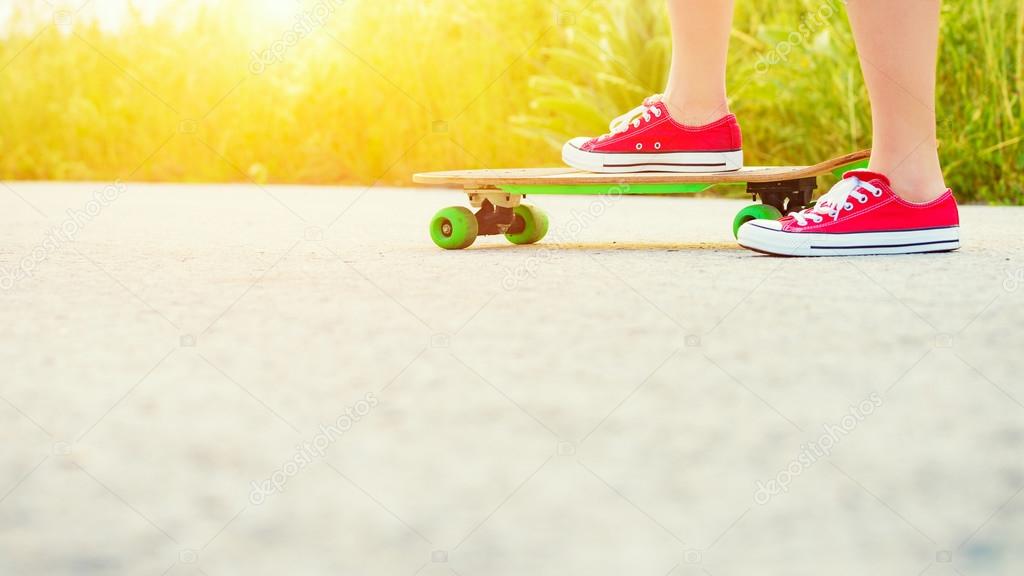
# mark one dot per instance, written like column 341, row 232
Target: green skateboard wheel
column 535, row 225
column 453, row 228
column 754, row 212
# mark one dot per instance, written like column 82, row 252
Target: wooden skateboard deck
column 498, row 194
column 571, row 177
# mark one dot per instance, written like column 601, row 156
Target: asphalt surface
column 291, row 380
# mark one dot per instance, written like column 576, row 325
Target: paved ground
column 228, row 380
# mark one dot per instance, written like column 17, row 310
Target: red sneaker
column 647, row 139
column 860, row 215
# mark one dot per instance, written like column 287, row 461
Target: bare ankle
column 918, row 187
column 919, row 193
column 915, row 176
column 690, row 113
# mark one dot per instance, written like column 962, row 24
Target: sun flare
column 113, row 15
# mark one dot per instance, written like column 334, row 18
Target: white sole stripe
column 625, row 162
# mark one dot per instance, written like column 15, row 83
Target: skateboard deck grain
column 570, row 177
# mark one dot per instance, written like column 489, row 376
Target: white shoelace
column 633, row 117
column 837, row 200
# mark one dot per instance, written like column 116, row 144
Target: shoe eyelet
column 848, row 206
column 863, row 199
column 657, row 145
column 877, row 193
column 639, row 146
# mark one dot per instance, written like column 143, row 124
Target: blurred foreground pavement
column 287, row 380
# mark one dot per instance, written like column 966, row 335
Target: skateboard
column 497, row 194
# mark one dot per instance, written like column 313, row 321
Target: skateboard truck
column 496, row 214
column 786, row 196
column 494, row 197
column 492, row 220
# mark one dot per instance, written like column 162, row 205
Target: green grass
column 385, row 89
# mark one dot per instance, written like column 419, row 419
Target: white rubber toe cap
column 573, row 156
column 766, row 236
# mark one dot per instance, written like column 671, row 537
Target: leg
column 898, row 43
column 695, row 94
column 646, row 138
